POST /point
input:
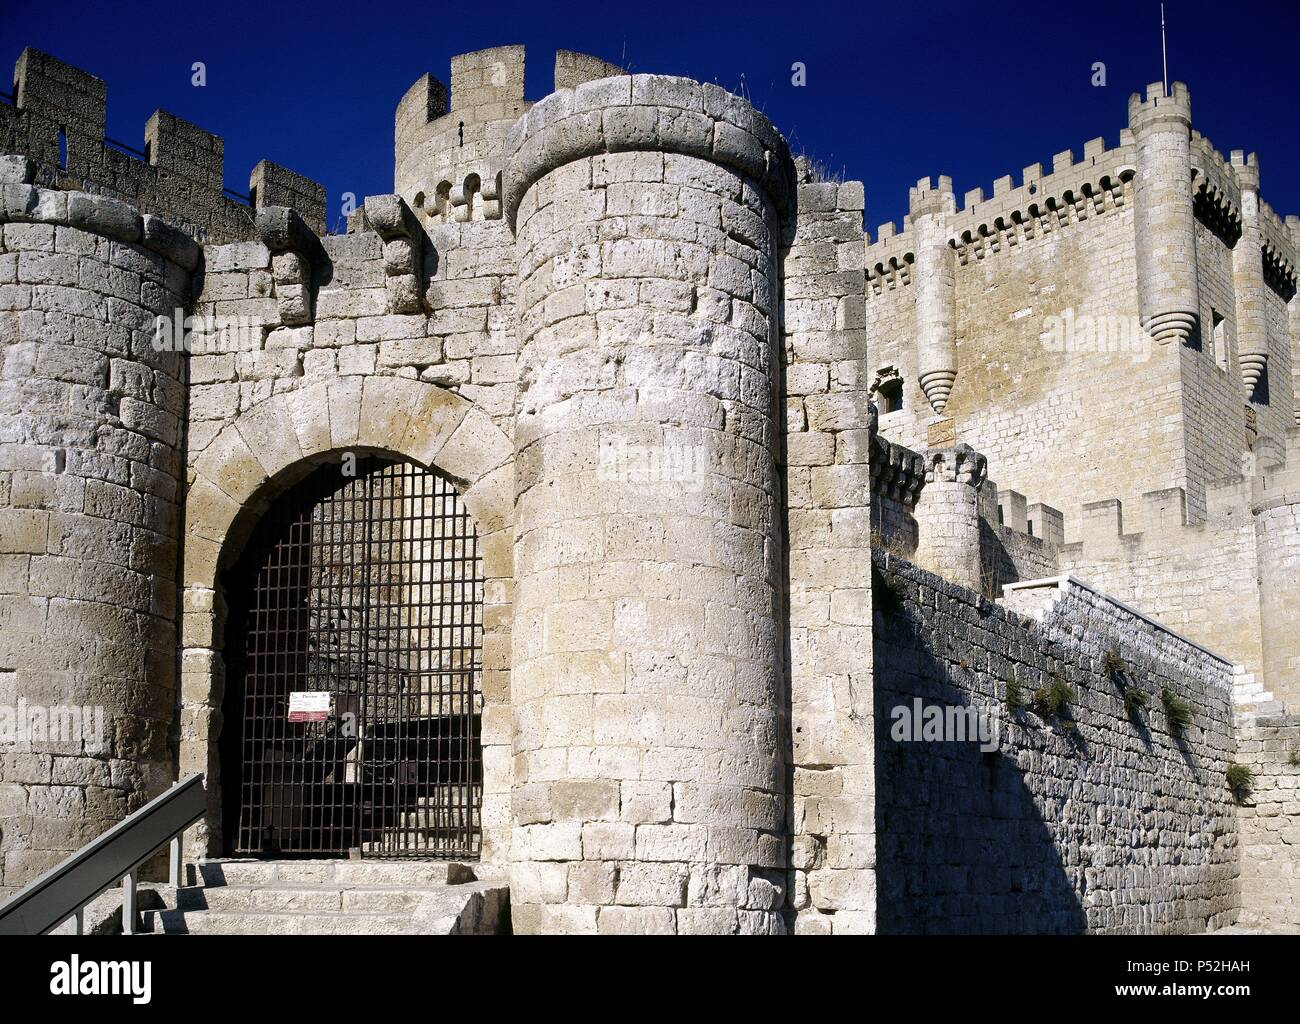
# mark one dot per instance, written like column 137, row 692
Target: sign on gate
column 309, row 705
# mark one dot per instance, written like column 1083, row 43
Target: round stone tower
column 89, row 476
column 935, row 282
column 1248, row 286
column 647, row 681
column 1168, row 301
column 947, row 514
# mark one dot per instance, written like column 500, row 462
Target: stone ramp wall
column 1093, row 821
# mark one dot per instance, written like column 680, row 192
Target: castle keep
column 593, row 510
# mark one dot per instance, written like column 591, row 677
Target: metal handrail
column 123, row 147
column 63, row 892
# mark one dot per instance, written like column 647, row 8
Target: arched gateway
column 354, row 646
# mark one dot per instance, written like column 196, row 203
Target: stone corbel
column 295, row 249
column 403, row 239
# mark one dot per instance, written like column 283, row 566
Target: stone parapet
column 644, row 113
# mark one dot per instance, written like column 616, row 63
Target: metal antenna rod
column 1164, row 49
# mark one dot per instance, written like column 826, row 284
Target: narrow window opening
column 63, row 150
column 1220, row 339
column 891, row 396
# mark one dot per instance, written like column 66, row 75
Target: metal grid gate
column 367, row 588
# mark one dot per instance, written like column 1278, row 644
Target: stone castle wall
column 1041, row 274
column 1266, row 821
column 448, row 141
column 1013, row 385
column 1094, row 821
column 591, row 314
column 404, row 344
column 828, row 474
column 90, row 472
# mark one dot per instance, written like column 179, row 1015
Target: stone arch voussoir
column 279, row 441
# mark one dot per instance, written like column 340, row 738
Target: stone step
column 214, row 922
column 476, row 908
column 304, row 898
column 347, row 873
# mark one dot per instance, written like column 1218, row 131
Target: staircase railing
column 117, row 856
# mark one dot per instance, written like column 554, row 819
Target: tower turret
column 935, row 277
column 647, row 679
column 1248, row 276
column 1168, row 300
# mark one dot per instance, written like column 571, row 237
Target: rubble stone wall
column 1092, row 820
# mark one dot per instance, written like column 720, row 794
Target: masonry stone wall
column 1019, row 540
column 1015, row 383
column 1048, row 280
column 1277, row 539
column 433, row 382
column 1094, row 820
column 1269, row 825
column 829, row 458
column 449, row 141
column 90, row 471
column 647, row 348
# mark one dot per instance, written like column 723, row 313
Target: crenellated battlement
column 1280, row 242
column 980, row 226
column 448, row 140
column 1217, row 185
column 1074, row 190
column 58, row 120
column 1158, row 108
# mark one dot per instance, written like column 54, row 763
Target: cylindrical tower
column 947, row 515
column 1248, row 276
column 1168, row 302
column 935, row 281
column 90, row 421
column 647, row 682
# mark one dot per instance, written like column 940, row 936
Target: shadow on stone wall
column 961, row 846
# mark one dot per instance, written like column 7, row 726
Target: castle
column 596, row 507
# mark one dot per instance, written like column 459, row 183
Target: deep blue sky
column 971, row 90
